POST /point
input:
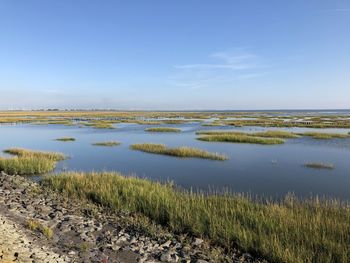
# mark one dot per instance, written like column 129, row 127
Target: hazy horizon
column 181, row 55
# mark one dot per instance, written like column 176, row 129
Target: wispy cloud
column 236, row 61
column 251, row 75
column 219, row 70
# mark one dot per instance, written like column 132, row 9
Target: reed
column 183, row 152
column 290, row 230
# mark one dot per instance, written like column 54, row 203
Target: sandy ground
column 15, row 246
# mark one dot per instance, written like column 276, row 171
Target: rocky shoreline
column 38, row 225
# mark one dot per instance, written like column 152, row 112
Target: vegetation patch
column 178, row 151
column 35, row 225
column 276, row 134
column 319, row 165
column 28, row 162
column 66, row 139
column 162, row 129
column 266, row 134
column 54, row 156
column 109, row 144
column 287, row 231
column 240, row 138
column 325, row 136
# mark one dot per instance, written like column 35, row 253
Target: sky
column 175, row 55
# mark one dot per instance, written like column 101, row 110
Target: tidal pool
column 259, row 170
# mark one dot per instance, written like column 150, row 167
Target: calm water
column 257, row 169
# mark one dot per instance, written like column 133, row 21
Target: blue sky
column 173, row 55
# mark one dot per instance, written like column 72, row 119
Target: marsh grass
column 266, row 134
column 276, row 134
column 319, row 165
column 162, row 129
column 20, row 152
column 325, row 136
column 240, row 138
column 65, row 139
column 28, row 162
column 108, row 144
column 184, row 152
column 287, row 231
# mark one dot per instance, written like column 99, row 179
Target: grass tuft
column 66, row 139
column 240, row 138
column 108, row 144
column 319, row 165
column 178, row 152
column 287, row 231
column 162, row 129
column 35, row 225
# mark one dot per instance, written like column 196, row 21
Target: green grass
column 109, row 144
column 320, row 135
column 162, row 129
column 66, row 139
column 240, row 138
column 316, row 165
column 28, row 162
column 178, row 152
column 287, row 231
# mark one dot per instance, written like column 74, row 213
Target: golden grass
column 240, row 138
column 108, row 144
column 319, row 165
column 184, row 152
column 265, row 134
column 35, row 225
column 20, row 152
column 320, row 135
column 287, row 231
column 28, row 162
column 162, row 129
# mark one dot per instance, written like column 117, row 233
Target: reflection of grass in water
column 178, row 152
column 162, row 129
column 319, row 165
column 287, row 231
column 28, row 162
column 109, row 144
